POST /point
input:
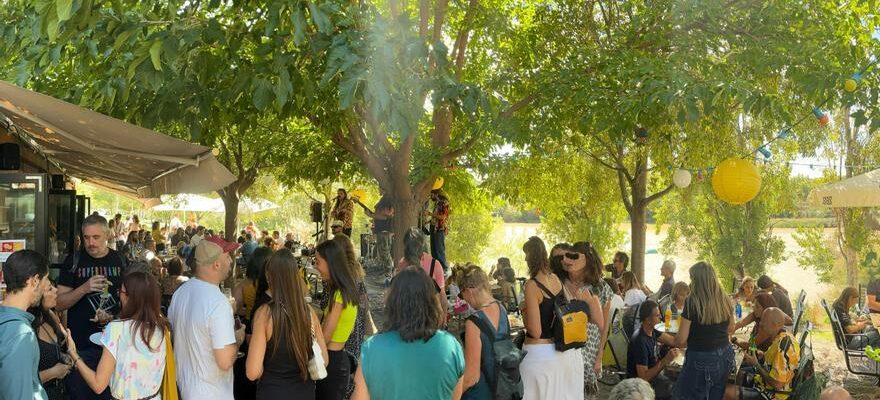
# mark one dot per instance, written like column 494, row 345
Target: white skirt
column 549, row 374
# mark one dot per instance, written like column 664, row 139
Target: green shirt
column 424, row 370
column 345, row 325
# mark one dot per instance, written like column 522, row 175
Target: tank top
column 281, row 376
column 545, row 307
column 50, row 354
column 483, row 388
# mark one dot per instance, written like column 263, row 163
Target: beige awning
column 859, row 191
column 109, row 152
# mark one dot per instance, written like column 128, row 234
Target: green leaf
column 122, row 38
column 262, row 93
column 298, row 19
column 63, row 8
column 283, row 89
column 155, row 55
column 347, row 91
column 320, row 18
column 52, row 28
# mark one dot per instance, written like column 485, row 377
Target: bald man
column 774, row 368
column 835, row 393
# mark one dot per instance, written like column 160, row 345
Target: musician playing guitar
column 382, row 218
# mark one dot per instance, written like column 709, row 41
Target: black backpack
column 506, row 384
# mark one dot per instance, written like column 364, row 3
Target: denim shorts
column 704, row 374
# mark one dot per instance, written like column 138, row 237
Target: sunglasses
column 573, row 256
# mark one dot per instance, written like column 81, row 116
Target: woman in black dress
column 281, row 341
column 50, row 336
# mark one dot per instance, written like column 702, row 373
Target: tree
column 173, row 66
column 737, row 240
column 644, row 87
column 576, row 201
column 359, row 74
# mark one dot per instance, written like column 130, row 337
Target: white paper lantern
column 681, row 178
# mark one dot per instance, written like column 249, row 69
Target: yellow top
column 249, row 297
column 157, row 236
column 346, row 320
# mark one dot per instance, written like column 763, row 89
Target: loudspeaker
column 317, row 212
column 57, row 182
column 10, row 156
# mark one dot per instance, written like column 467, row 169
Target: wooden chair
column 852, row 357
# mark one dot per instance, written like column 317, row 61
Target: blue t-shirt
column 642, row 351
column 394, row 369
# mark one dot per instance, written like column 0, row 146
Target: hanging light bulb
column 822, row 116
column 851, row 84
column 783, row 134
column 765, row 152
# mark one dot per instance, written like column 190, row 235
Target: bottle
column 668, row 319
column 739, row 310
column 675, row 321
column 752, row 345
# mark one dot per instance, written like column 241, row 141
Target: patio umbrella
column 859, row 191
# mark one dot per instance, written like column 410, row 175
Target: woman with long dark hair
column 281, row 342
column 50, row 338
column 363, row 324
column 582, row 279
column 414, row 255
column 849, row 297
column 412, row 358
column 133, row 362
column 340, row 313
column 546, row 372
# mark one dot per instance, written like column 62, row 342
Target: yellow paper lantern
column 359, row 194
column 736, row 181
column 438, row 183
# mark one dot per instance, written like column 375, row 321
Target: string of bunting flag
column 737, row 180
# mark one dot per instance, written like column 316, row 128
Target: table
column 673, row 327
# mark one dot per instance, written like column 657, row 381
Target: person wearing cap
column 336, row 228
column 205, row 336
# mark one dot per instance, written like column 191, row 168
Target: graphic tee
column 76, row 270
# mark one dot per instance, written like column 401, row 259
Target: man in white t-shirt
column 205, row 339
column 198, row 237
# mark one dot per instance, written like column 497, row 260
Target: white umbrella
column 190, row 203
column 196, row 203
column 859, row 191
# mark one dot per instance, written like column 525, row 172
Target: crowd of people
column 117, row 324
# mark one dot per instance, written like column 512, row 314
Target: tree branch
column 624, row 192
column 603, row 162
column 659, row 194
column 424, row 14
column 439, row 19
column 522, row 103
column 451, row 155
column 461, row 42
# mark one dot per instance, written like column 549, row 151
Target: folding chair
column 850, row 355
column 615, row 331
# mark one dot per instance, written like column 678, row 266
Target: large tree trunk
column 230, row 205
column 639, row 221
column 639, row 227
